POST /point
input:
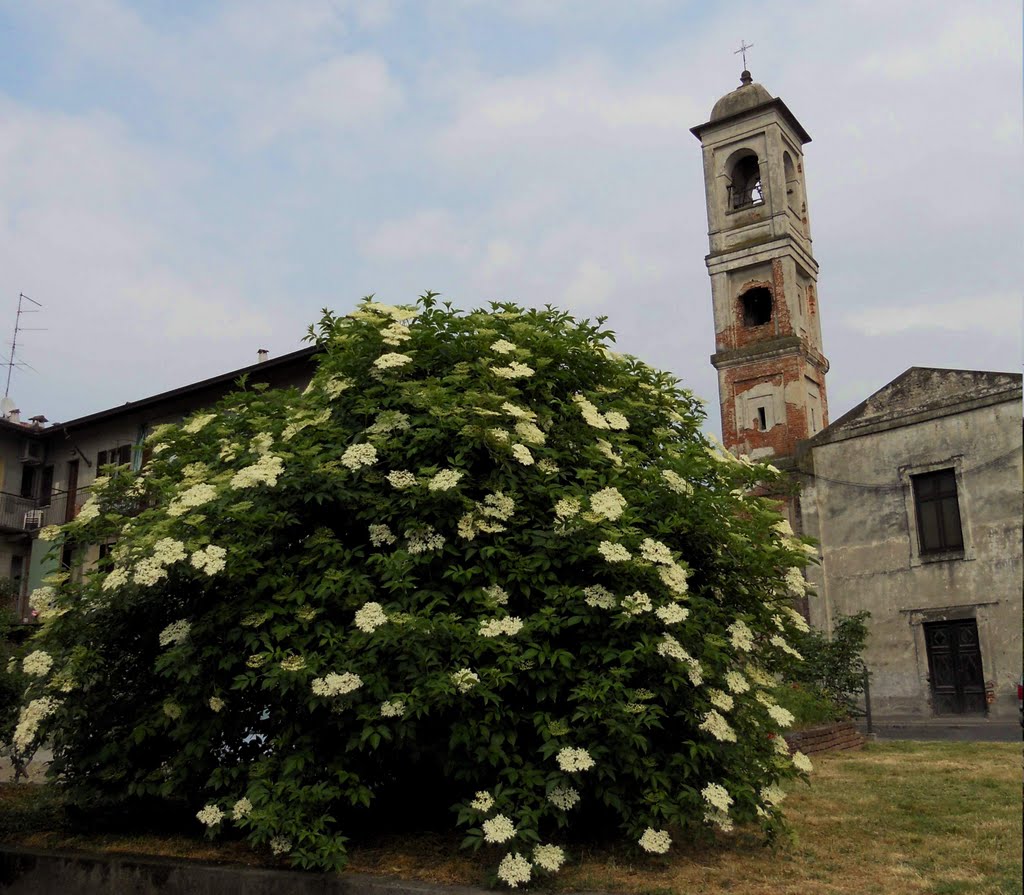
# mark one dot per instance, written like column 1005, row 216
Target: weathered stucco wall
column 859, row 503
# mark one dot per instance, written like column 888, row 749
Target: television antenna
column 12, row 361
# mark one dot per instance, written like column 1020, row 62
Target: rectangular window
column 938, row 511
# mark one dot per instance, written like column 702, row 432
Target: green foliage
column 832, row 667
column 12, row 680
column 481, row 560
column 808, row 705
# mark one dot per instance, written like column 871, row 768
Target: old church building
column 914, row 495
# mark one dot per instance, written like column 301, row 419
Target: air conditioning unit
column 33, row 520
column 31, row 452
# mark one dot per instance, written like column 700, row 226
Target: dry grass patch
column 897, row 818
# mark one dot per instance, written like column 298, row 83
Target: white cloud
column 985, row 314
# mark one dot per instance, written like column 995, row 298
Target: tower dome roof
column 746, row 96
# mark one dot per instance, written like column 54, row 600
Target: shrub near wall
column 480, row 561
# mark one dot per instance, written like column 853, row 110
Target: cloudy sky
column 184, row 182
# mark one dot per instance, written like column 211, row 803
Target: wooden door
column 954, row 665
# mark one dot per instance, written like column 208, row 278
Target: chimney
column 38, row 421
column 261, row 355
column 14, row 416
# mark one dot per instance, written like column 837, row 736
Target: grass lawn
column 895, row 818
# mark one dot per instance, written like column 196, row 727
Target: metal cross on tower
column 744, row 46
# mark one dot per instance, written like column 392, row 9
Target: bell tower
column 771, row 369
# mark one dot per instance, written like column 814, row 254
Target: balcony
column 26, row 514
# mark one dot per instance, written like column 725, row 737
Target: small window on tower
column 762, row 419
column 757, row 306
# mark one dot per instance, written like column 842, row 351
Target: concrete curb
column 26, row 871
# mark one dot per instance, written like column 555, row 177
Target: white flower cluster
column 514, row 370
column 656, row 842
column 445, row 480
column 49, row 533
column 401, row 478
column 37, row 663
column 799, row 622
column 795, row 582
column 216, row 704
column 242, row 808
column 292, row 663
column 176, row 632
column 616, row 420
column 779, row 642
column 496, row 594
column 381, row 536
column 172, row 710
column 672, row 614
column 197, row 423
column 600, row 597
column 211, row 815
column 335, row 684
column 498, row 829
column 195, row 496
column 637, row 603
column 336, row 385
column 718, row 727
column 772, row 794
column 90, row 510
column 514, row 869
column 656, row 552
column 483, row 802
column 605, row 448
column 279, row 845
column 547, row 466
column 676, row 482
column 721, row 700
column 572, row 760
column 389, row 421
column 782, row 717
column 357, row 456
column 548, row 857
column 465, row 679
column 741, row 636
column 423, row 540
column 522, row 454
column 566, row 508
column 29, row 719
column 392, row 359
column 736, row 682
column 499, row 435
column 261, row 443
column 150, row 570
column 613, row 552
column 564, row 797
column 800, row 761
column 717, row 796
column 211, row 559
column 674, row 577
column 519, row 413
column 370, row 617
column 720, row 819
column 395, row 334
column 591, row 415
column 392, row 708
column 497, row 505
column 530, row 433
column 116, row 578
column 502, row 347
column 495, row 627
column 608, row 503
column 267, row 470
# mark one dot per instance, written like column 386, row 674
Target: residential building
column 46, row 471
